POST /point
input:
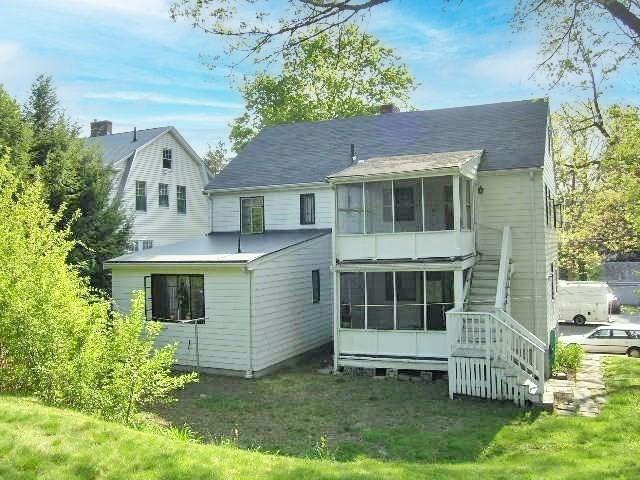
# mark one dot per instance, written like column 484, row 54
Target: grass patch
column 449, row 440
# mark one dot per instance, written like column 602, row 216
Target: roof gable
column 512, row 135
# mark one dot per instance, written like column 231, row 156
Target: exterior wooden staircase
column 492, row 355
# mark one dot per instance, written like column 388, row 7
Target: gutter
column 284, row 186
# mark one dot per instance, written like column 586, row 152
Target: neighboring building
column 442, row 254
column 159, row 179
column 624, row 279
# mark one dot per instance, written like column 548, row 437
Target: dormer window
column 167, row 156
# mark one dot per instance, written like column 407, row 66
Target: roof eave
column 284, row 186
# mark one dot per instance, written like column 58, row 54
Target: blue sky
column 126, row 61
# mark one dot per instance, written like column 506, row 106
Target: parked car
column 616, row 338
column 582, row 302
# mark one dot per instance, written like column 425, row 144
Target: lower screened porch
column 395, row 316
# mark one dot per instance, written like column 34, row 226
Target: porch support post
column 458, row 289
column 456, row 203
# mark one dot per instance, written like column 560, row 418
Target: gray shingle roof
column 512, row 134
column 408, row 163
column 222, row 247
column 121, row 145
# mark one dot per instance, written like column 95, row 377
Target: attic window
column 167, row 156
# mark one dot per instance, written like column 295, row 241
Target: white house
column 159, row 179
column 442, row 252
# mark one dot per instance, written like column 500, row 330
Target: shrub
column 57, row 340
column 567, row 357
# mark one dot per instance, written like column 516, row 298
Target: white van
column 582, row 302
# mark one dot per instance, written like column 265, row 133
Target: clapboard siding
column 164, row 225
column 286, row 321
column 224, row 338
column 281, row 209
column 516, row 199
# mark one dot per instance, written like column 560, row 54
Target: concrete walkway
column 586, row 394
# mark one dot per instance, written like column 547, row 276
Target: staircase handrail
column 467, row 286
column 505, row 318
column 504, row 269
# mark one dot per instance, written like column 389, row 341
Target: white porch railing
column 497, row 336
column 491, row 354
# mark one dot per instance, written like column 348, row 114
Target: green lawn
column 376, row 429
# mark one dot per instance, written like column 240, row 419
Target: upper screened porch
column 407, row 207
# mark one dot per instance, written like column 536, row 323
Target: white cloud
column 18, row 67
column 9, row 51
column 509, row 66
column 198, row 118
column 156, row 8
column 161, row 99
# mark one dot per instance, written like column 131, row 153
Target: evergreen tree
column 14, row 133
column 76, row 181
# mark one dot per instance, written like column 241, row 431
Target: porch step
column 484, row 283
column 486, row 275
column 483, row 292
column 486, row 267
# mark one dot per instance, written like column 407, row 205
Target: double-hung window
column 252, row 214
column 163, row 195
column 167, row 157
column 307, row 209
column 181, row 199
column 176, row 298
column 141, row 196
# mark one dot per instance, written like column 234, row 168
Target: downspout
column 534, row 252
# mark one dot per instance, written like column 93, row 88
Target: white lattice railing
column 495, row 335
column 499, row 337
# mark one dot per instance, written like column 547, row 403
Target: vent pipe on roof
column 354, row 156
column 135, row 134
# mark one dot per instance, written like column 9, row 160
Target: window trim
column 200, row 320
column 181, row 201
column 140, row 198
column 160, row 195
column 312, row 198
column 167, row 158
column 315, row 286
column 252, row 232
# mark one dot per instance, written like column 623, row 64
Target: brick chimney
column 389, row 108
column 100, row 128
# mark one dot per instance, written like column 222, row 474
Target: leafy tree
column 248, row 26
column 583, row 44
column 57, row 341
column 77, row 180
column 598, row 182
column 343, row 74
column 216, row 157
